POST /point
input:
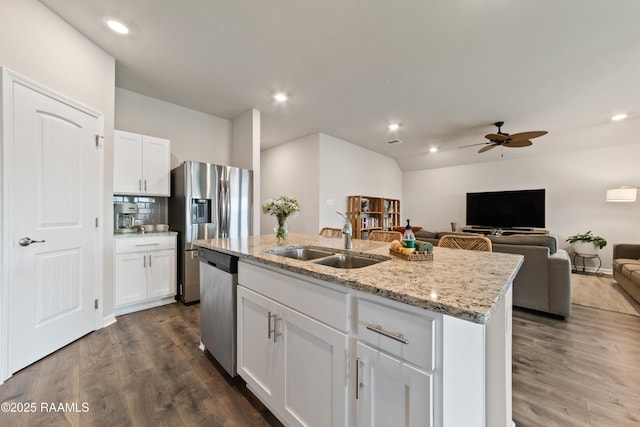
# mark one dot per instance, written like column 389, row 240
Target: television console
column 505, row 231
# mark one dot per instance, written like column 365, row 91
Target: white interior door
column 53, row 200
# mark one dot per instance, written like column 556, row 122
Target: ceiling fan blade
column 528, row 135
column 473, row 145
column 487, row 148
column 518, row 143
column 497, row 137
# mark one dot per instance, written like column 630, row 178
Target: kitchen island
column 406, row 342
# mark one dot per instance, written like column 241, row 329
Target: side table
column 584, row 258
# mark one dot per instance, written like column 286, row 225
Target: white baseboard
column 109, row 320
column 607, row 271
column 143, row 305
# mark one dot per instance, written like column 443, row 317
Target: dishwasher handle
column 221, row 261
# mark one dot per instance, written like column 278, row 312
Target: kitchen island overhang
column 458, row 283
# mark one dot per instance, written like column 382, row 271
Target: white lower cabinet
column 145, row 272
column 390, row 392
column 296, row 365
column 395, row 356
column 319, row 356
column 293, row 346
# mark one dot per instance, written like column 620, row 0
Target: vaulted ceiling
column 445, row 70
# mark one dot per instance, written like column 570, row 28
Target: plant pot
column 585, row 248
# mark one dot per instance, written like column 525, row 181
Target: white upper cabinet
column 141, row 164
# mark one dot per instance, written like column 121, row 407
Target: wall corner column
column 245, row 153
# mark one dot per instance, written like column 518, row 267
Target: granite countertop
column 152, row 234
column 459, row 283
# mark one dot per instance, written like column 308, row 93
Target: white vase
column 585, row 248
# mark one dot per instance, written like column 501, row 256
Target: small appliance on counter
column 124, row 218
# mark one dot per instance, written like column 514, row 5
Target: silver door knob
column 26, row 241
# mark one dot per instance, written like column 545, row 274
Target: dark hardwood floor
column 147, row 370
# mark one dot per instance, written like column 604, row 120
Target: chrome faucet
column 347, row 231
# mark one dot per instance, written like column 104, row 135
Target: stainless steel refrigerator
column 207, row 201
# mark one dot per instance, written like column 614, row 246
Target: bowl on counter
column 148, row 228
column 162, row 228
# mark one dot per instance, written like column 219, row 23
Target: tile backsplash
column 151, row 210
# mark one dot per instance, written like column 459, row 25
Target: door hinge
column 97, row 222
column 95, row 304
column 98, row 137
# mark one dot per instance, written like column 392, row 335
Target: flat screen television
column 506, row 209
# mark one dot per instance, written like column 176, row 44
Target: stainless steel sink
column 349, row 261
column 328, row 256
column 302, row 253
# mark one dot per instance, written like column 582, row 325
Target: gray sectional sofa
column 626, row 268
column 544, row 281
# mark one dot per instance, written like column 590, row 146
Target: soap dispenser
column 409, row 239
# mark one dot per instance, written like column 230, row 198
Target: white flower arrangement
column 282, row 207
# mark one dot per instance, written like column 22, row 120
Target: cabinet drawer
column 327, row 305
column 408, row 336
column 144, row 244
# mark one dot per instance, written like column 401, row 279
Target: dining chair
column 472, row 243
column 385, row 236
column 331, row 232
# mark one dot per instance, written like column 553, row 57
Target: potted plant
column 587, row 243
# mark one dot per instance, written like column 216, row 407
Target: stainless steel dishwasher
column 218, row 282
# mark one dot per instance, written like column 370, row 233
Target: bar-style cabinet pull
column 398, row 336
column 276, row 334
column 359, row 364
column 269, row 330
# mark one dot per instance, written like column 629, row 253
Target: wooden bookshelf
column 369, row 213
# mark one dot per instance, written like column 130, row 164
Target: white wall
column 245, row 153
column 40, row 46
column 194, row 135
column 346, row 170
column 575, row 186
column 292, row 169
column 321, row 171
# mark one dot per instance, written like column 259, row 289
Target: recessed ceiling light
column 394, row 126
column 433, row 149
column 618, row 117
column 117, row 26
column 280, row 97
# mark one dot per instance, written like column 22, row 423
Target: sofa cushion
column 425, row 234
column 618, row 263
column 525, row 239
column 627, row 269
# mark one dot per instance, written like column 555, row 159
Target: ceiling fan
column 503, row 139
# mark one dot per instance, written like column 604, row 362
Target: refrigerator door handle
column 227, row 202
column 224, row 208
